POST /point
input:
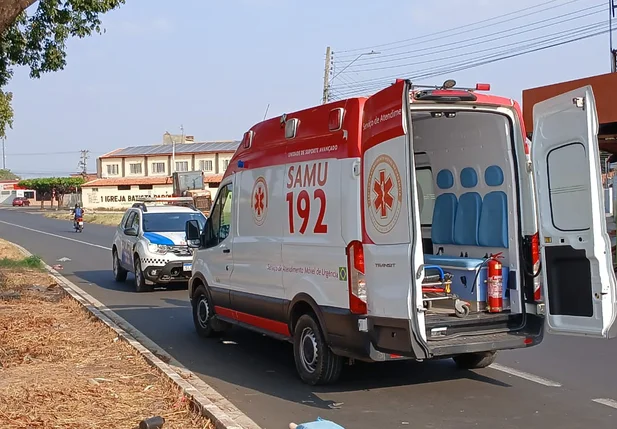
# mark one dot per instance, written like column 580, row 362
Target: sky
column 216, row 67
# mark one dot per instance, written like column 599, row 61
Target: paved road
column 561, row 377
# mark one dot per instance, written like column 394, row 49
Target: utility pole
column 3, row 155
column 611, row 15
column 326, row 76
column 83, row 162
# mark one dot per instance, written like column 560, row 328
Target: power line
column 479, row 62
column 449, row 46
column 535, row 41
column 73, row 152
column 466, row 26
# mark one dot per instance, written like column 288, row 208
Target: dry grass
column 109, row 219
column 62, row 368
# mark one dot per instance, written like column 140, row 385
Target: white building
column 143, row 171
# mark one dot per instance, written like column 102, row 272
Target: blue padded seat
column 493, row 176
column 453, row 262
column 468, row 211
column 494, row 215
column 444, row 211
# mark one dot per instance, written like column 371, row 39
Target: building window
column 113, row 169
column 29, row 194
column 225, row 164
column 205, row 165
column 135, row 168
column 124, row 187
column 144, row 187
column 158, row 167
column 95, row 189
column 182, row 166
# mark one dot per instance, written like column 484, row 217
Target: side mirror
column 193, row 233
column 132, row 232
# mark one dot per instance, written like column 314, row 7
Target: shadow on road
column 105, row 279
column 256, row 362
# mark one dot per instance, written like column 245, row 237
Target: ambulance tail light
column 535, row 261
column 483, row 86
column 355, row 278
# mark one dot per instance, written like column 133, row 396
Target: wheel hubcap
column 308, row 350
column 203, row 313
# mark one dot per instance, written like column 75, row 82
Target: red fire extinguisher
column 494, row 290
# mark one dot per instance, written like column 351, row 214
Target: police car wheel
column 315, row 362
column 119, row 272
column 475, row 360
column 140, row 280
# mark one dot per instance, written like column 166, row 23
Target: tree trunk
column 10, row 10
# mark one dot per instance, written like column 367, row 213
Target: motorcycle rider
column 77, row 212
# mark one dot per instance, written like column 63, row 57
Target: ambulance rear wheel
column 475, row 360
column 315, row 362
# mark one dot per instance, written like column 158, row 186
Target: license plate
column 187, row 266
column 81, row 224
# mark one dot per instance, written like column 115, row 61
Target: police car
column 150, row 242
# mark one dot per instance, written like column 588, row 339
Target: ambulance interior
column 467, row 201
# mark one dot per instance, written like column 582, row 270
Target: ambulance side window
column 220, row 218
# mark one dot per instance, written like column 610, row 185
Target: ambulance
column 417, row 223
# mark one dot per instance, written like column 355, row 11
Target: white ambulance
column 375, row 228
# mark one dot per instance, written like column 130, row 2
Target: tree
column 6, row 174
column 48, row 185
column 37, row 41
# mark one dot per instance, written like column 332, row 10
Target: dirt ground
column 109, row 219
column 62, row 368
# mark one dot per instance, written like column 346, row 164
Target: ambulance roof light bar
column 450, row 84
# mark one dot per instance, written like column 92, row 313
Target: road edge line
column 606, row 401
column 524, row 375
column 212, row 404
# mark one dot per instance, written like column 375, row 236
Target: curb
column 212, row 404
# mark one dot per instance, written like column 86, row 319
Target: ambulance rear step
column 480, row 343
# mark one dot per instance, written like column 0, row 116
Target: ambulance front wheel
column 315, row 362
column 475, row 360
column 205, row 324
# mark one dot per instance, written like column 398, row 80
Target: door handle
column 226, row 250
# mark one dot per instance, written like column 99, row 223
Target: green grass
column 32, row 262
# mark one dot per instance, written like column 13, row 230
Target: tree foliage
column 6, row 174
column 38, row 40
column 62, row 185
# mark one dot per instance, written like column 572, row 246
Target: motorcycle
column 78, row 224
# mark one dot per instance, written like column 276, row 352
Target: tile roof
column 164, row 180
column 181, row 148
column 213, row 178
column 129, row 181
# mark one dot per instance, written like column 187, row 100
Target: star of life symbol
column 259, row 201
column 384, row 194
column 383, row 187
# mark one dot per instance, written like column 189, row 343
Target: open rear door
column 577, row 268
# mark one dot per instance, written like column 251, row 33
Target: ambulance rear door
column 391, row 224
column 577, row 267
